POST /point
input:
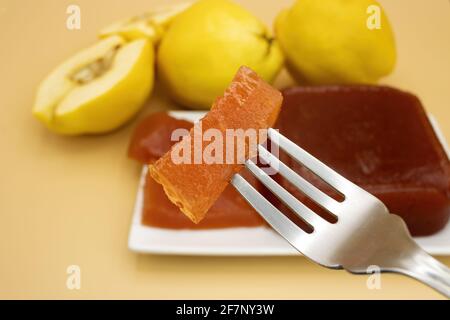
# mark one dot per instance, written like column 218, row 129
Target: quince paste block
column 377, row 137
column 248, row 103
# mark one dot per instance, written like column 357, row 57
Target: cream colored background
column 68, row 201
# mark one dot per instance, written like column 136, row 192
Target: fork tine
column 280, row 223
column 294, row 204
column 317, row 167
column 299, row 182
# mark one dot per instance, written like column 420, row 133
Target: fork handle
column 423, row 267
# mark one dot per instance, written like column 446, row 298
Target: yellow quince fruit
column 97, row 89
column 206, row 44
column 150, row 25
column 336, row 41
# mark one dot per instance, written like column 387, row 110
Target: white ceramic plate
column 256, row 241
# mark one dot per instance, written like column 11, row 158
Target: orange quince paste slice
column 248, row 103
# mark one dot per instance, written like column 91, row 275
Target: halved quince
column 150, row 25
column 97, row 89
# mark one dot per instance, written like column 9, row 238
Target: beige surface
column 68, row 201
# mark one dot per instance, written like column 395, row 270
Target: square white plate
column 256, row 241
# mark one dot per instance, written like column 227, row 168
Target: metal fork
column 365, row 235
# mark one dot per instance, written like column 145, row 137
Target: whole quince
column 336, row 41
column 206, row 44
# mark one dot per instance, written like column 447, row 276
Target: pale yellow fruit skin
column 151, row 25
column 134, row 31
column 204, row 47
column 111, row 104
column 328, row 42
